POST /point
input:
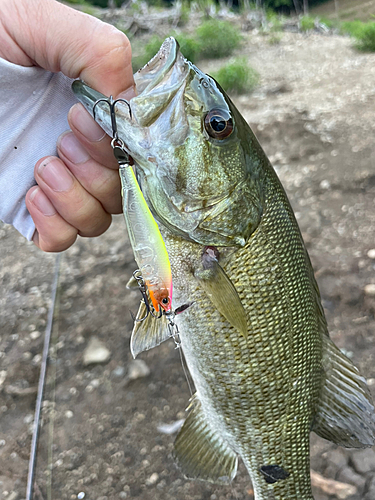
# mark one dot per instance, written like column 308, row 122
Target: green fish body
column 254, row 335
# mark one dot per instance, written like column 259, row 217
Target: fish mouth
column 156, row 84
column 157, row 68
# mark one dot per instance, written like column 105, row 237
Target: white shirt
column 34, row 104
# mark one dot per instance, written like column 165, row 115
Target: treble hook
column 143, row 289
column 116, row 141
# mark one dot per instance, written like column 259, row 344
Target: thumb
column 56, row 37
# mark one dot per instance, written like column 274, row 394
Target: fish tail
column 345, row 413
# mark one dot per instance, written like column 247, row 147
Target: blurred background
column 303, row 75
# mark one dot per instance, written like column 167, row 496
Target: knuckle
column 56, row 242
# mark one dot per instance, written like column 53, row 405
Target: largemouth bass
column 255, row 338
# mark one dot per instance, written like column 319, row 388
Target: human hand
column 77, row 192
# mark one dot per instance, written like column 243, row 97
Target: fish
column 255, row 338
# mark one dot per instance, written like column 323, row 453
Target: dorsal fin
column 345, row 414
column 202, row 453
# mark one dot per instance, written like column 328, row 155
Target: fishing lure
column 145, row 238
column 148, row 245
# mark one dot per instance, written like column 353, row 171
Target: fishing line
column 185, row 369
column 41, row 384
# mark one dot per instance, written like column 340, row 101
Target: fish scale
column 246, row 374
column 252, row 327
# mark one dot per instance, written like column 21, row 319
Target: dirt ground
column 107, row 431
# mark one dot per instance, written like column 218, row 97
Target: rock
column 370, row 290
column 95, row 352
column 370, row 495
column 347, row 475
column 364, row 461
column 118, row 372
column 138, row 369
column 332, row 487
column 153, row 479
column 371, row 253
column 337, row 457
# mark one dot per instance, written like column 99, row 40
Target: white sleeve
column 34, row 104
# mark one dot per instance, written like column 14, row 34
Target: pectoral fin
column 148, row 333
column 345, row 414
column 202, row 453
column 223, row 295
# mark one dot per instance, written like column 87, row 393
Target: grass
column 307, row 23
column 217, row 39
column 212, row 39
column 147, row 53
column 189, row 46
column 365, row 38
column 237, row 77
column 352, row 28
column 364, row 34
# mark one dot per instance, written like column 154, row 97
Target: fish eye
column 218, row 124
column 165, row 301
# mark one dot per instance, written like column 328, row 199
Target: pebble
column 69, row 414
column 119, row 371
column 138, row 369
column 364, row 461
column 337, row 457
column 371, row 253
column 95, row 352
column 325, row 184
column 153, row 479
column 370, row 290
column 347, row 475
column 35, row 335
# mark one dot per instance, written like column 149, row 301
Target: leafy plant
column 237, row 76
column 307, row 23
column 217, row 39
column 352, row 28
column 365, row 38
column 190, row 48
column 148, row 52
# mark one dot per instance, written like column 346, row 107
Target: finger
column 53, row 233
column 101, row 182
column 75, row 205
column 58, row 38
column 92, row 136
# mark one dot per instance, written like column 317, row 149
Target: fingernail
column 128, row 93
column 70, row 146
column 41, row 202
column 85, row 123
column 55, row 174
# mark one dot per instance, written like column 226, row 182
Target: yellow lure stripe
column 147, row 242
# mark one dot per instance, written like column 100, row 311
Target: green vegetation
column 307, row 23
column 189, row 46
column 237, row 76
column 147, row 52
column 217, row 39
column 364, row 33
column 365, row 38
column 352, row 28
column 213, row 39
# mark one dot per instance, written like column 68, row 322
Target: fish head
column 197, row 161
